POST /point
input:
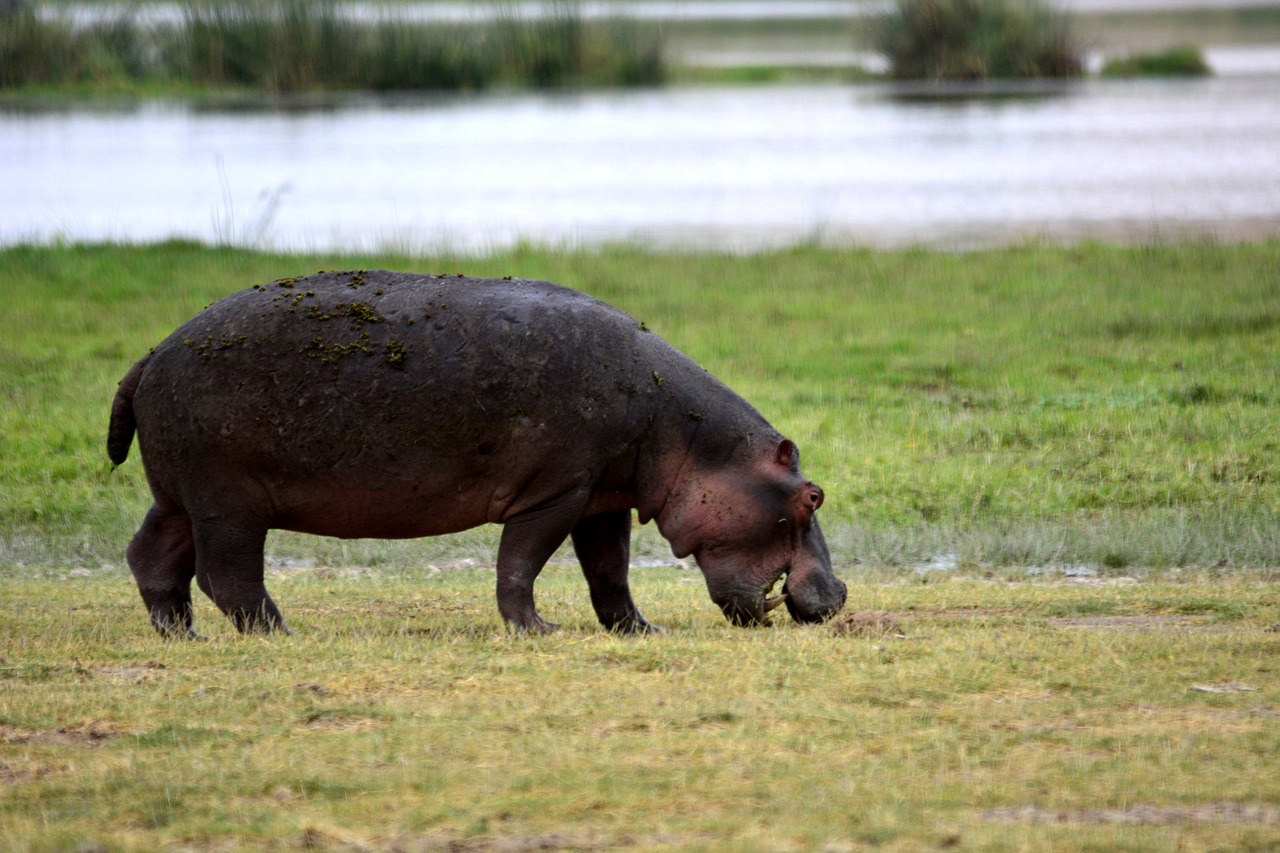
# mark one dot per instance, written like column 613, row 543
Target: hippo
column 396, row 405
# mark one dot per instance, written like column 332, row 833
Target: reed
column 295, row 45
column 977, row 40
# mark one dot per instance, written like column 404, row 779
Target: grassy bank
column 1008, row 716
column 1025, row 406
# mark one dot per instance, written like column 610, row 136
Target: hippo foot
column 256, row 623
column 174, row 626
column 635, row 625
column 531, row 625
column 263, row 629
column 178, row 635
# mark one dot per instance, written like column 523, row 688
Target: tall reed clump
column 292, row 45
column 298, row 45
column 559, row 48
column 35, row 50
column 977, row 40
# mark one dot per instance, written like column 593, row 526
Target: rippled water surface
column 736, row 168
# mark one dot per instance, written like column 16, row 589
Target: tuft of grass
column 977, row 40
column 1180, row 61
column 301, row 45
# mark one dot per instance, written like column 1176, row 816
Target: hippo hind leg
column 162, row 559
column 229, row 570
column 603, row 545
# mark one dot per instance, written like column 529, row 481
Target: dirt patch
column 968, row 612
column 522, row 843
column 867, row 623
column 87, row 734
column 1140, row 623
column 14, row 774
column 1225, row 687
column 1143, row 815
column 135, row 673
column 325, row 722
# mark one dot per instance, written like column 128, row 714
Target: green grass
column 1030, row 405
column 1010, row 716
column 1033, row 405
column 1181, row 61
column 759, row 75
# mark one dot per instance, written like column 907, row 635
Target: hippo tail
column 123, row 424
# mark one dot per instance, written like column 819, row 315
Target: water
column 735, row 168
column 444, row 11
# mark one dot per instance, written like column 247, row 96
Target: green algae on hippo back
column 396, row 405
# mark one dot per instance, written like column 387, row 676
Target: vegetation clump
column 296, row 45
column 977, row 40
column 1179, row 61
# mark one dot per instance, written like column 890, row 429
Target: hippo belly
column 405, row 406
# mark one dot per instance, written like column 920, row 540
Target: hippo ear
column 786, row 454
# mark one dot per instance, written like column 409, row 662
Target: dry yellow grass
column 1002, row 714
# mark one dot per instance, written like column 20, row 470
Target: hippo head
column 753, row 522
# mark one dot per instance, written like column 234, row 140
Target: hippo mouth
column 802, row 611
column 769, row 603
column 755, row 610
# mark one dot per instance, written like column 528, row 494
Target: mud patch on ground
column 339, row 721
column 16, row 774
column 1141, row 815
column 522, row 843
column 867, row 623
column 1224, row 687
column 969, row 612
column 87, row 734
column 1140, row 623
column 134, row 673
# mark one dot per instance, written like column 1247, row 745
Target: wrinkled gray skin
column 392, row 405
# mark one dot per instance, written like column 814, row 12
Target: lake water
column 657, row 10
column 736, row 168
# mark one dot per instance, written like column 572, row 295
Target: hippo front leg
column 603, row 545
column 528, row 541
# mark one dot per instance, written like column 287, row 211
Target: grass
column 759, row 75
column 1011, row 715
column 995, row 409
column 977, row 40
column 1181, row 61
column 1035, row 405
column 298, row 45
